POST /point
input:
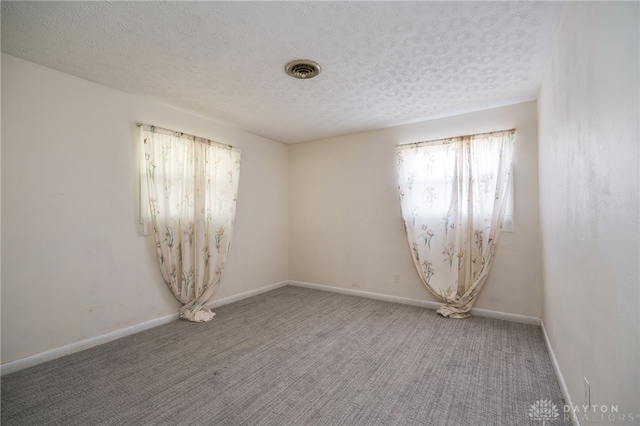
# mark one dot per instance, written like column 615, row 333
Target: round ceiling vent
column 304, row 69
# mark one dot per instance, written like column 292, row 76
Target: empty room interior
column 347, row 156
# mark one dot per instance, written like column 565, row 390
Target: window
column 440, row 168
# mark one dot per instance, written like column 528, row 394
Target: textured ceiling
column 383, row 63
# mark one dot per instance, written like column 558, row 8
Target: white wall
column 589, row 204
column 74, row 263
column 345, row 226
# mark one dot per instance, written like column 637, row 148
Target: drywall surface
column 589, row 206
column 74, row 262
column 345, row 224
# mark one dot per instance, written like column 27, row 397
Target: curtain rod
column 164, row 130
column 454, row 138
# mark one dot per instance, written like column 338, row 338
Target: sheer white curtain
column 453, row 198
column 188, row 191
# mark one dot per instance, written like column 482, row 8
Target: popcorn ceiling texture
column 384, row 63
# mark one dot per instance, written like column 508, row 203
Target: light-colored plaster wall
column 589, row 204
column 345, row 226
column 74, row 263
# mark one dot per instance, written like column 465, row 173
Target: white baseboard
column 246, row 294
column 556, row 368
column 524, row 319
column 49, row 355
column 36, row 359
column 415, row 302
column 367, row 294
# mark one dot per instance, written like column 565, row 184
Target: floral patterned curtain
column 453, row 199
column 189, row 192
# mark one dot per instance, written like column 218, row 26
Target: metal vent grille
column 303, row 69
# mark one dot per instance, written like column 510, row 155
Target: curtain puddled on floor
column 188, row 201
column 453, row 198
